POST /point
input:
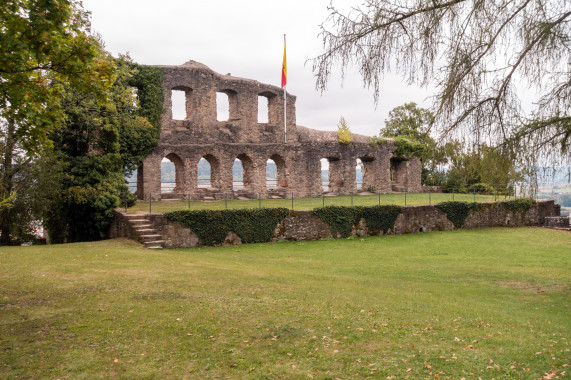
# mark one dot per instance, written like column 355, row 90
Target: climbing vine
column 519, row 206
column 342, row 219
column 212, row 226
column 148, row 80
column 381, row 218
column 456, row 212
column 339, row 218
column 405, row 148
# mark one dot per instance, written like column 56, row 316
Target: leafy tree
column 409, row 126
column 480, row 55
column 408, row 120
column 344, row 134
column 100, row 142
column 45, row 47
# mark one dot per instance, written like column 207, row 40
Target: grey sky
column 245, row 38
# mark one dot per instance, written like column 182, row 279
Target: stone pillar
column 191, row 175
column 414, row 175
column 152, row 176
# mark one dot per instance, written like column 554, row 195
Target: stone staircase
column 145, row 231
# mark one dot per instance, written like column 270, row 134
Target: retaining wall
column 305, row 225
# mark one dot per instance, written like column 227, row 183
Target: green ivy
column 212, row 226
column 381, row 218
column 456, row 212
column 407, row 148
column 342, row 219
column 519, row 206
column 339, row 218
column 149, row 83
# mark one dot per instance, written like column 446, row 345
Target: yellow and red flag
column 284, row 66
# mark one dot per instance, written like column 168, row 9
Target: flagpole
column 285, row 100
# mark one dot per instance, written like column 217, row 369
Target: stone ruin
column 242, row 136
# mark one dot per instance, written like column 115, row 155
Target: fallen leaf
column 408, row 369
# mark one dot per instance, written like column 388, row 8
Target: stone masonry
column 200, row 135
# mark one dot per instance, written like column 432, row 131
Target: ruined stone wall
column 200, row 135
column 305, row 225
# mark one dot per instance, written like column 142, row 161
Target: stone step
column 137, row 222
column 132, row 217
column 147, row 238
column 155, row 244
column 145, row 230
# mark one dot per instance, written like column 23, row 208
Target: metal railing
column 289, row 199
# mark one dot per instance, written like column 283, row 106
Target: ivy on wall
column 519, row 207
column 342, row 219
column 405, row 148
column 381, row 218
column 339, row 218
column 456, row 212
column 148, row 80
column 212, row 226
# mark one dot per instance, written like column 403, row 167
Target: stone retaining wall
column 305, row 225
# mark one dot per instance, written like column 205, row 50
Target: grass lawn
column 311, row 203
column 484, row 303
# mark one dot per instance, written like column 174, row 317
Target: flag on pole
column 284, row 66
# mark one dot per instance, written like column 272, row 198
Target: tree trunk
column 7, row 182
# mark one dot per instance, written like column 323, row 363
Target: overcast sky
column 245, row 38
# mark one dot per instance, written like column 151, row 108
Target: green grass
column 311, row 203
column 488, row 303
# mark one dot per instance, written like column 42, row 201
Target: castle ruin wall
column 297, row 154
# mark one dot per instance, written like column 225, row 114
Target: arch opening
column 204, row 170
column 359, row 174
column 242, row 172
column 208, row 170
column 271, row 174
column 172, row 174
column 276, row 173
column 324, row 162
column 367, row 174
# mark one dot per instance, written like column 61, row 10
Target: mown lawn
column 487, row 303
column 311, row 203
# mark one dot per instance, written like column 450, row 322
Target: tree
column 485, row 59
column 344, row 134
column 412, row 123
column 45, row 47
column 99, row 143
column 408, row 120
